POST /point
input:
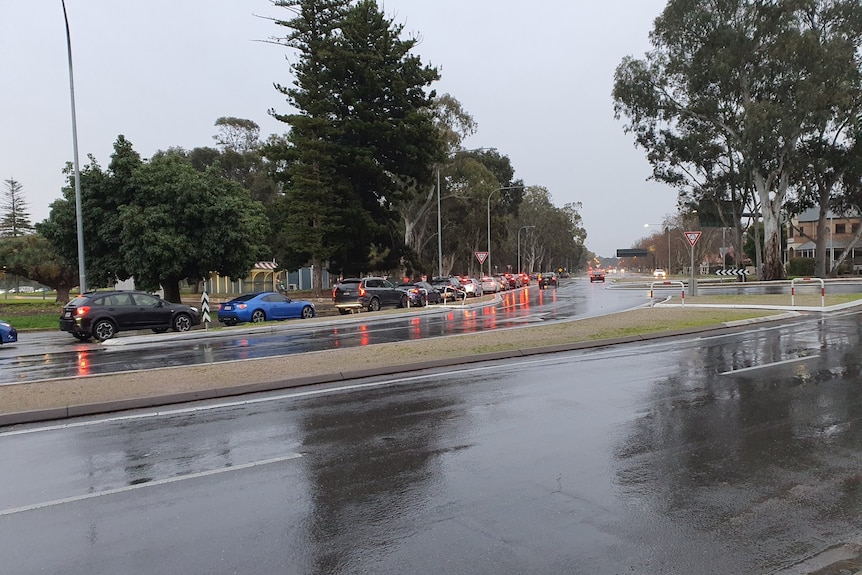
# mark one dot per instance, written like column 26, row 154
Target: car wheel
column 307, row 312
column 374, row 305
column 258, row 316
column 104, row 329
column 182, row 323
column 160, row 329
column 82, row 336
column 404, row 301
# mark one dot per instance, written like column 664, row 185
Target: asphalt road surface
column 723, row 455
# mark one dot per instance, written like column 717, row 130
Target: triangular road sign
column 692, row 237
column 481, row 256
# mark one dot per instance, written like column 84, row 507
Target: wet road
column 55, row 354
column 723, row 455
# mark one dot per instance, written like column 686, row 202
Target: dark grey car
column 102, row 314
column 370, row 293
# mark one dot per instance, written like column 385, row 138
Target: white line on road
column 767, row 365
column 165, row 481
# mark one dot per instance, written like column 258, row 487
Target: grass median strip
column 61, row 393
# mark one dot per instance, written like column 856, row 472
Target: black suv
column 367, row 293
column 547, row 279
column 102, row 314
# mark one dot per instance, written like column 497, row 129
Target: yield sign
column 481, row 256
column 692, row 237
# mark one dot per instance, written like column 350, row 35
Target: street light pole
column 82, row 274
column 519, row 245
column 439, row 230
column 489, row 218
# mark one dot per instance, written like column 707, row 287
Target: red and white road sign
column 692, row 237
column 481, row 256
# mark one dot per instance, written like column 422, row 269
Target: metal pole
column 489, row 228
column 489, row 219
column 519, row 245
column 439, row 230
column 667, row 235
column 82, row 274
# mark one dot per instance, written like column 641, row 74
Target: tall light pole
column 489, row 218
column 82, row 274
column 519, row 245
column 439, row 230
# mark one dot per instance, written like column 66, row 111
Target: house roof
column 812, row 215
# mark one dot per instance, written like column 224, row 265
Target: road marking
column 155, row 483
column 767, row 365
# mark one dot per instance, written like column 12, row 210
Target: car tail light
column 82, row 311
column 361, row 291
column 334, row 291
column 241, row 306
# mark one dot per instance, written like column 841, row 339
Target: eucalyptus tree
column 759, row 75
column 558, row 235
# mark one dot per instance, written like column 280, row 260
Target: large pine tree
column 14, row 217
column 362, row 123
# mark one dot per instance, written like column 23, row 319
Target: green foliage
column 160, row 222
column 185, row 224
column 731, row 89
column 801, row 267
column 35, row 258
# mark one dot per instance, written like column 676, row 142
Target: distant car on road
column 659, row 274
column 8, row 334
column 371, row 293
column 597, row 275
column 102, row 314
column 490, row 285
column 264, row 306
column 417, row 295
column 547, row 279
column 471, row 286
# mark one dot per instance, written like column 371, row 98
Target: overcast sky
column 536, row 77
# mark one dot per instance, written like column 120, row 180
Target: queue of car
column 101, row 315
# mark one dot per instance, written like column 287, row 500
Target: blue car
column 264, row 306
column 7, row 332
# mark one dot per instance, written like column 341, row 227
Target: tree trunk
column 171, row 288
column 62, row 294
column 317, row 277
column 773, row 267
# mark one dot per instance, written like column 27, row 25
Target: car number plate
column 67, row 314
column 228, row 307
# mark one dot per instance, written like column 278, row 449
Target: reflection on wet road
column 731, row 454
column 68, row 358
